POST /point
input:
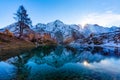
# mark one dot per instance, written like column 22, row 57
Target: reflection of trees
column 22, row 70
column 97, row 50
column 106, row 51
column 117, row 51
column 43, row 51
column 111, row 52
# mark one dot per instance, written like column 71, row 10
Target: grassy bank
column 8, row 43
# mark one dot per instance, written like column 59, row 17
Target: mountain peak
column 58, row 21
column 91, row 25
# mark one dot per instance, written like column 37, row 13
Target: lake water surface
column 62, row 63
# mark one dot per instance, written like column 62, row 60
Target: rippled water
column 62, row 63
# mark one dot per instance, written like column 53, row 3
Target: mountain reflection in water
column 63, row 63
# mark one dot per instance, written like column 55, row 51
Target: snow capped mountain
column 66, row 29
column 61, row 31
column 56, row 26
column 11, row 28
column 58, row 29
column 15, row 29
column 96, row 29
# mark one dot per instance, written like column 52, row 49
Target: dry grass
column 8, row 43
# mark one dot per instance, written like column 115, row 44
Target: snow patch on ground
column 111, row 44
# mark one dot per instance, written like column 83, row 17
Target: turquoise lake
column 62, row 63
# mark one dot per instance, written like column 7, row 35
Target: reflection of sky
column 6, row 71
column 111, row 65
column 108, row 66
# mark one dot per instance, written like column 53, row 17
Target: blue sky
column 102, row 12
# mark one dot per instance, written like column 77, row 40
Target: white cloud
column 107, row 19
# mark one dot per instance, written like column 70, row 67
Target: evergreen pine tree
column 22, row 19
